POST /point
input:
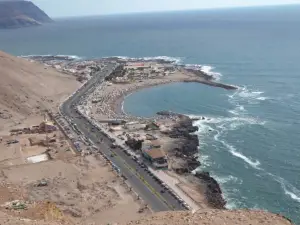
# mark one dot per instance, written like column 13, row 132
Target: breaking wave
column 70, row 57
column 220, row 126
column 224, row 124
column 288, row 188
column 231, row 203
column 205, row 69
column 178, row 61
column 247, row 95
column 253, row 163
column 175, row 60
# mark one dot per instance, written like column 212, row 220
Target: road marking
column 145, row 182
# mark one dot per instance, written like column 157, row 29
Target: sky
column 70, row 8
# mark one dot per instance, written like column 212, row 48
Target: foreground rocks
column 214, row 217
column 213, row 191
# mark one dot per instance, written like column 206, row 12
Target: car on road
column 162, row 191
column 113, row 146
column 126, row 152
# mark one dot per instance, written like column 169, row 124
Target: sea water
column 249, row 140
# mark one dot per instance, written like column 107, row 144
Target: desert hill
column 214, row 217
column 27, row 88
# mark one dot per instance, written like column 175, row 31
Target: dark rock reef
column 18, row 13
column 187, row 150
column 213, row 190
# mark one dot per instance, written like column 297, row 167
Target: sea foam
column 75, row 57
column 175, row 60
column 287, row 187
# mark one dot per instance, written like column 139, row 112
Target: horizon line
column 179, row 10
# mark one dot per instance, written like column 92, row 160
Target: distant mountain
column 19, row 13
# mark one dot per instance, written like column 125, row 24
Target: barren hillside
column 26, row 88
column 214, row 217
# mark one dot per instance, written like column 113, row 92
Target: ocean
column 249, row 140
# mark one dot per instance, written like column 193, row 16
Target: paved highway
column 141, row 180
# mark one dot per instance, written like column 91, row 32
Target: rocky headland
column 188, row 150
column 19, row 13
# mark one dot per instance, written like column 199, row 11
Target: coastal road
column 142, row 182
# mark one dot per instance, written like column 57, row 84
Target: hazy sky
column 65, row 8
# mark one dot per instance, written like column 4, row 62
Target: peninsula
column 21, row 13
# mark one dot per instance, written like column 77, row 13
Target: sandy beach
column 106, row 102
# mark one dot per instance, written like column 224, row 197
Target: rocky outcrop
column 189, row 142
column 15, row 14
column 186, row 156
column 213, row 190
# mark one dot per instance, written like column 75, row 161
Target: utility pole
column 46, row 129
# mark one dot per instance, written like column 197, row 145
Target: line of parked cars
column 165, row 187
column 142, row 165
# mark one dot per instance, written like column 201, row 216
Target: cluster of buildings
column 153, row 152
column 144, row 70
column 142, row 139
column 44, row 127
column 81, row 69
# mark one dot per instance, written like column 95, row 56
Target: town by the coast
column 164, row 146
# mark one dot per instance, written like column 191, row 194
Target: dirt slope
column 214, row 217
column 26, row 88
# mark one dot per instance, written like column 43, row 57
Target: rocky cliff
column 19, row 13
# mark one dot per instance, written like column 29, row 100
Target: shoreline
column 180, row 144
column 213, row 190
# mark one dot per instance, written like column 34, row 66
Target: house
column 155, row 144
column 47, row 127
column 156, row 157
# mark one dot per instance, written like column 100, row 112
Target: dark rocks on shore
column 193, row 163
column 213, row 190
column 186, row 150
column 168, row 113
